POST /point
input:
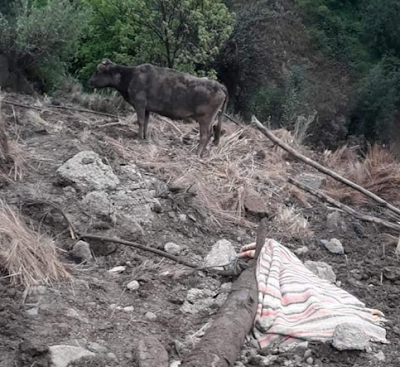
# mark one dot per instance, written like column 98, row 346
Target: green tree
column 181, row 34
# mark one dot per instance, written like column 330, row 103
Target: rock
column 97, row 348
column 226, row 288
column 391, row 273
column 198, row 300
column 151, row 353
column 334, row 246
column 269, row 360
column 87, row 172
column 334, row 222
column 222, row 253
column 117, row 269
column 128, row 309
column 32, row 311
column 254, row 203
column 301, row 250
column 350, row 337
column 81, row 252
column 380, row 356
column 172, row 248
column 323, row 270
column 150, row 316
column 97, row 204
column 112, row 356
column 183, row 217
column 311, row 180
column 310, row 360
column 175, row 364
column 63, row 355
column 133, row 285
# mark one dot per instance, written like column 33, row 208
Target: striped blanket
column 295, row 305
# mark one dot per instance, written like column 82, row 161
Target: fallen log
column 323, row 169
column 223, row 341
column 345, row 208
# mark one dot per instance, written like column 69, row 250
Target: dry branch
column 321, row 168
column 61, row 107
column 222, row 343
column 347, row 209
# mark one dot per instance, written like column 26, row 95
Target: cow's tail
column 218, row 126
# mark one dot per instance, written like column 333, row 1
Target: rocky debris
column 254, row 203
column 183, row 217
column 133, row 285
column 97, row 204
column 32, row 311
column 311, row 180
column 96, row 347
column 63, row 355
column 198, row 300
column 150, row 353
column 222, row 253
column 301, row 250
column 117, row 269
column 322, row 269
column 103, row 248
column 128, row 309
column 70, row 312
column 175, row 364
column 226, row 288
column 81, row 252
column 335, row 222
column 172, row 248
column 87, row 172
column 350, row 337
column 150, row 316
column 391, row 273
column 380, row 356
column 334, row 246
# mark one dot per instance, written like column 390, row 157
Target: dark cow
column 169, row 93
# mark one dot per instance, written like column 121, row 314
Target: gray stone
column 112, row 356
column 96, row 347
column 198, row 300
column 150, row 316
column 172, row 248
column 97, row 204
column 133, row 285
column 222, row 253
column 175, row 364
column 380, row 356
column 70, row 312
column 226, row 288
column 32, row 311
column 183, row 217
column 87, row 172
column 117, row 269
column 81, row 252
column 254, row 203
column 321, row 269
column 310, row 360
column 334, row 222
column 311, row 180
column 151, row 353
column 301, row 250
column 334, row 246
column 350, row 337
column 63, row 355
column 128, row 309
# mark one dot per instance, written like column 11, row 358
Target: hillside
column 108, row 184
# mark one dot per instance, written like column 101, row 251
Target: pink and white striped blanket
column 295, row 305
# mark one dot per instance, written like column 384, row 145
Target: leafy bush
column 181, row 34
column 41, row 37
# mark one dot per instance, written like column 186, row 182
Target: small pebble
column 112, row 356
column 133, row 285
column 310, row 360
column 183, row 217
column 128, row 309
column 151, row 316
column 172, row 248
column 117, row 269
column 32, row 311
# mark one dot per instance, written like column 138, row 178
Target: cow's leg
column 205, row 134
column 141, row 117
column 146, row 123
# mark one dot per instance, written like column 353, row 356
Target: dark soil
column 84, row 312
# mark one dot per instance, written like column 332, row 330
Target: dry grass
column 291, row 218
column 377, row 171
column 220, row 179
column 29, row 258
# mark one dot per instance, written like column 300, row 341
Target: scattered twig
column 71, row 228
column 60, row 107
column 321, row 168
column 233, row 120
column 347, row 209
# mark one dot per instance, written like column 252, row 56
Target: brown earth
column 86, row 311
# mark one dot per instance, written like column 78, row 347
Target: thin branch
column 347, row 209
column 60, row 107
column 321, row 168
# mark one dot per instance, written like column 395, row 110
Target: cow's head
column 106, row 75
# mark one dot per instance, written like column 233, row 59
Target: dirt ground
column 90, row 312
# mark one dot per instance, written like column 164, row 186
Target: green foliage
column 40, row 38
column 378, row 96
column 181, row 34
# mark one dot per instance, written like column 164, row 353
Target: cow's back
column 175, row 94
